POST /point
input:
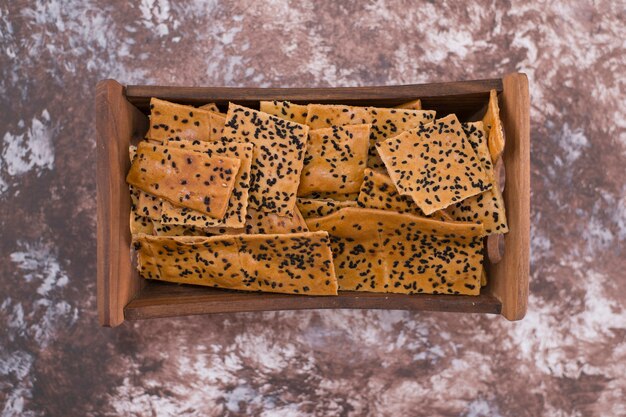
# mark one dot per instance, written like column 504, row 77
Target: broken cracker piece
column 381, row 251
column 318, row 207
column 411, row 105
column 493, row 127
column 212, row 107
column 335, row 160
column 258, row 222
column 379, row 192
column 285, row 110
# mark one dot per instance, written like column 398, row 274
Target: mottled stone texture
column 566, row 358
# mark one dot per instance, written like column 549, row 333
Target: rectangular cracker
column 381, row 251
column 493, row 127
column 298, row 263
column 258, row 222
column 319, row 207
column 235, row 216
column 185, row 177
column 285, row 110
column 335, row 160
column 379, row 192
column 279, row 149
column 486, row 208
column 385, row 122
column 436, row 166
column 171, row 120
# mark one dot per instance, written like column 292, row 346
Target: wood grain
column 461, row 97
column 495, row 248
column 509, row 277
column 117, row 122
column 120, row 122
column 161, row 299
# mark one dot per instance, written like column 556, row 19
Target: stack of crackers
column 312, row 199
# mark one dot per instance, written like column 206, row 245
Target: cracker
column 385, row 122
column 161, row 229
column 169, row 120
column 285, row 110
column 486, row 208
column 140, row 224
column 212, row 107
column 411, row 105
column 317, row 207
column 335, row 160
column 148, row 206
column 436, row 166
column 381, row 251
column 235, row 216
column 333, row 196
column 185, row 177
column 298, row 263
column 279, row 149
column 258, row 222
column 493, row 127
column 137, row 222
column 379, row 192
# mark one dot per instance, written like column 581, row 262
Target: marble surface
column 566, row 358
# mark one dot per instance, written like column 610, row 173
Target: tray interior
column 160, row 299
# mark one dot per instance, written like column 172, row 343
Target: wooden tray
column 121, row 118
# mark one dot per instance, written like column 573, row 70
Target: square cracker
column 382, row 251
column 235, row 216
column 379, row 192
column 279, row 149
column 297, row 263
column 185, row 177
column 486, row 208
column 335, row 160
column 436, row 166
column 385, row 122
column 169, row 120
column 285, row 110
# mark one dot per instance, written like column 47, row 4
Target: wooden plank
column 461, row 97
column 509, row 277
column 161, row 299
column 140, row 94
column 117, row 121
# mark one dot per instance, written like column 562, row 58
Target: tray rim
column 127, row 297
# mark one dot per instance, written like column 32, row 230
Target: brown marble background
column 566, row 358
